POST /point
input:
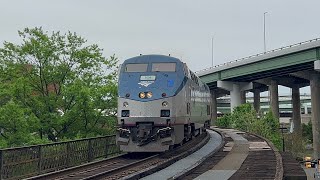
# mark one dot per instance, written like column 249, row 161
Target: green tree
column 67, row 88
column 15, row 124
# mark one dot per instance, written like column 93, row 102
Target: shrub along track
column 132, row 165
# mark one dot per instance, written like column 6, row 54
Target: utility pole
column 264, row 31
column 212, row 51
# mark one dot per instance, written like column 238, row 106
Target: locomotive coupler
column 145, row 133
column 124, row 130
column 165, row 132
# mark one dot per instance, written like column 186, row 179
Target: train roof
column 152, row 58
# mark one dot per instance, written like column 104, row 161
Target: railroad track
column 88, row 170
column 129, row 166
column 263, row 161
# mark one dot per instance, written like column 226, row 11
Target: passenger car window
column 163, row 67
column 136, row 68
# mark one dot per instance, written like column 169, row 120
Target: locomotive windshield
column 136, row 68
column 163, row 67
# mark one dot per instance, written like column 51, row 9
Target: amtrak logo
column 145, row 83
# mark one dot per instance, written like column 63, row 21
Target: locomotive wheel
column 206, row 125
column 193, row 130
column 197, row 132
column 204, row 129
column 187, row 133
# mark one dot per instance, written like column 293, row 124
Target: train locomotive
column 161, row 103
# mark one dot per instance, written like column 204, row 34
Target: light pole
column 264, row 31
column 212, row 51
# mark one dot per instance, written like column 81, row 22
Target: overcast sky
column 182, row 28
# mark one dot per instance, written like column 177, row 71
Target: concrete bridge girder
column 303, row 74
column 291, row 81
column 259, row 86
column 237, row 91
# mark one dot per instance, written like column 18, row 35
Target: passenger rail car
column 161, row 103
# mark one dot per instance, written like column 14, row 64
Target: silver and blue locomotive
column 161, row 103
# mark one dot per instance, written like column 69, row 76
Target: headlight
column 125, row 104
column 149, row 94
column 125, row 113
column 165, row 103
column 165, row 113
column 142, row 95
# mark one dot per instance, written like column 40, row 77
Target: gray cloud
column 182, row 28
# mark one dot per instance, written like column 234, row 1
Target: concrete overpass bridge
column 294, row 66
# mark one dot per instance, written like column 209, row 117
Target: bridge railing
column 260, row 54
column 18, row 163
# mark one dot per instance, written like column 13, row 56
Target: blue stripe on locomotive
column 170, row 83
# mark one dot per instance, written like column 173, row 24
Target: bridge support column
column 214, row 110
column 315, row 113
column 306, row 109
column 256, row 100
column 243, row 99
column 235, row 88
column 296, row 110
column 235, row 96
column 274, row 98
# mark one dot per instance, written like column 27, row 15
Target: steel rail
column 151, row 165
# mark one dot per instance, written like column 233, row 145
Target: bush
column 295, row 143
column 244, row 118
column 225, row 121
column 307, row 131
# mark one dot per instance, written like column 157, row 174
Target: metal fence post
column 1, row 163
column 89, row 151
column 106, row 148
column 40, row 158
column 68, row 154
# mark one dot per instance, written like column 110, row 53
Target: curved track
column 155, row 164
column 91, row 169
column 133, row 165
column 262, row 160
